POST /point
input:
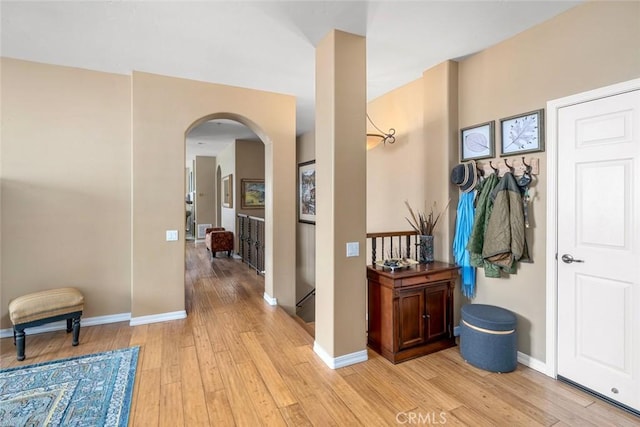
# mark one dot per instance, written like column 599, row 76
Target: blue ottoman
column 488, row 337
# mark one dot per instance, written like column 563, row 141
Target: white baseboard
column 156, row 318
column 271, row 300
column 532, row 363
column 62, row 324
column 340, row 361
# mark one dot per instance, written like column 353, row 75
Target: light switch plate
column 353, row 249
column 172, row 235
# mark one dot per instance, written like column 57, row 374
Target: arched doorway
column 164, row 110
column 216, row 152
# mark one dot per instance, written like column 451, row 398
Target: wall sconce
column 373, row 139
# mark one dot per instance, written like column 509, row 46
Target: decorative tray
column 396, row 263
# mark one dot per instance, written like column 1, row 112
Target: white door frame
column 552, row 207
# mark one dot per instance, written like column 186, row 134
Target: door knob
column 568, row 259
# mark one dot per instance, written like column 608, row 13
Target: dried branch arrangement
column 422, row 223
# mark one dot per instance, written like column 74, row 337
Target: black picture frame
column 477, row 142
column 307, row 192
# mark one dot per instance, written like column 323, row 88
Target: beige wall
column 164, row 109
column 205, row 172
column 227, row 163
column 249, row 165
column 66, row 184
column 93, row 176
column 306, row 233
column 590, row 46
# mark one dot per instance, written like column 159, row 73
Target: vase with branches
column 424, row 224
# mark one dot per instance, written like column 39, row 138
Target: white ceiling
column 266, row 45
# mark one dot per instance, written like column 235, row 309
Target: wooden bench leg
column 19, row 341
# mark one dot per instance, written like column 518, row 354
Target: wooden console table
column 411, row 310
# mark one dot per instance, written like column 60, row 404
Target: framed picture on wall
column 307, row 192
column 523, row 133
column 227, row 191
column 252, row 194
column 477, row 142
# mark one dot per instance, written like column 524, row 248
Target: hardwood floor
column 238, row 361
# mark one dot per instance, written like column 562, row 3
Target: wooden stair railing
column 393, row 244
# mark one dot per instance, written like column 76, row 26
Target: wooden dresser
column 410, row 311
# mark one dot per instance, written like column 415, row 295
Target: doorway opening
column 224, row 160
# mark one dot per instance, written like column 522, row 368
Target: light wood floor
column 237, row 361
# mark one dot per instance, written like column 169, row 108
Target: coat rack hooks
column 517, row 166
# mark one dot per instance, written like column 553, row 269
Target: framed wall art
column 523, row 133
column 477, row 142
column 252, row 193
column 227, row 191
column 307, row 192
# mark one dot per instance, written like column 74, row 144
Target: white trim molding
column 269, row 299
column 340, row 361
column 156, row 318
column 532, row 363
column 62, row 325
column 553, row 108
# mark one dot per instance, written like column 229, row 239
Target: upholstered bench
column 218, row 240
column 488, row 337
column 38, row 308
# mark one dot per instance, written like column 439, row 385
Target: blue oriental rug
column 92, row 390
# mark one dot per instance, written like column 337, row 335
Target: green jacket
column 481, row 219
column 504, row 241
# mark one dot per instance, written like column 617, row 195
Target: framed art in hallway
column 523, row 133
column 477, row 142
column 252, row 194
column 227, row 191
column 307, row 192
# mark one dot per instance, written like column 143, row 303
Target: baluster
column 259, row 249
column 373, row 250
column 408, row 240
column 249, row 244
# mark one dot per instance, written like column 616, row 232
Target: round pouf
column 488, row 337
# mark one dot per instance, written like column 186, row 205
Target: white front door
column 598, row 267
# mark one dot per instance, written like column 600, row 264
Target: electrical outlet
column 172, row 235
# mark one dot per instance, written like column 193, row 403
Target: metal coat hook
column 479, row 170
column 525, row 163
column 493, row 167
column 509, row 166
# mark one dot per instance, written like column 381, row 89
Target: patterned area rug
column 92, row 390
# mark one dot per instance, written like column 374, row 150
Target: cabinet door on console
column 437, row 300
column 411, row 318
